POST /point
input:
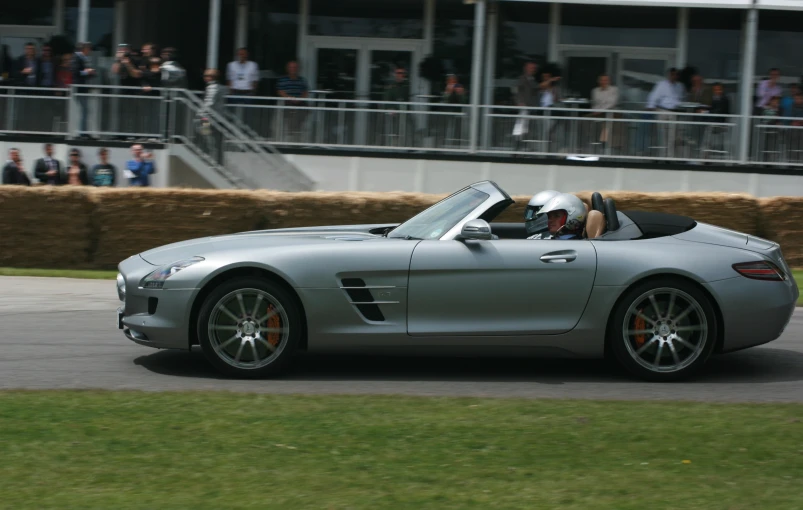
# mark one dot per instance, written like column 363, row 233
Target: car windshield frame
column 443, row 218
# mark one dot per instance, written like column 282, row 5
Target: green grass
column 199, row 450
column 59, row 273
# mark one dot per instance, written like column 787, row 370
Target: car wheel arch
column 240, row 271
column 720, row 340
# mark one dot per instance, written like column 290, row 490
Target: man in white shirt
column 242, row 76
column 667, row 94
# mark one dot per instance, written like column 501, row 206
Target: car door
column 499, row 287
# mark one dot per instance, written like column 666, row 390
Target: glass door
column 637, row 76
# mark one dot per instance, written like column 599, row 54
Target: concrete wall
column 346, row 173
column 338, row 173
column 118, row 157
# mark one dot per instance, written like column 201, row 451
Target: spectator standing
column 77, row 172
column 47, row 68
column 293, row 87
column 788, row 101
column 152, row 78
column 48, row 170
column 455, row 92
column 64, row 73
column 81, row 74
column 769, row 88
column 699, row 93
column 173, row 75
column 14, row 171
column 667, row 94
column 28, row 67
column 527, row 88
column 720, row 104
column 104, row 174
column 605, row 97
column 242, row 76
column 140, row 167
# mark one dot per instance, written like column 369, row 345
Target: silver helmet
column 537, row 224
column 575, row 211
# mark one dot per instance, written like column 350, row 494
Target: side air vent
column 361, row 297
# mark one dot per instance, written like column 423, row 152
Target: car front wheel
column 249, row 327
column 663, row 330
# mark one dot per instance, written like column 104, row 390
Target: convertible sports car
column 659, row 293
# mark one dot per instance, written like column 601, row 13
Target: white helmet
column 575, row 211
column 537, row 224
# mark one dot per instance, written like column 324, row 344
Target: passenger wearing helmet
column 566, row 217
column 537, row 225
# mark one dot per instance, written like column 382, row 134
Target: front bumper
column 156, row 318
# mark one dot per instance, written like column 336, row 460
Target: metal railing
column 777, row 141
column 251, row 128
column 228, row 149
column 34, row 111
column 355, row 123
column 620, row 134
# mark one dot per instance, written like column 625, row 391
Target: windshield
column 441, row 217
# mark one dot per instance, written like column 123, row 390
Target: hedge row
column 78, row 228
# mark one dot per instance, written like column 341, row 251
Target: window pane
column 780, row 34
column 654, row 27
column 29, row 12
column 367, row 18
column 101, row 24
column 273, row 36
column 714, row 48
column 523, row 34
column 454, row 41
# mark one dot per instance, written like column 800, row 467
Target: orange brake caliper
column 639, row 324
column 273, row 323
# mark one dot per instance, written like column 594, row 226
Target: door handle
column 559, row 257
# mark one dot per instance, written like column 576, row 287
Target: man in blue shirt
column 140, row 167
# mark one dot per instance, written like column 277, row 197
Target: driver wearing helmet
column 537, row 225
column 566, row 217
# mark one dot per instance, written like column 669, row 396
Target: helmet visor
column 535, row 223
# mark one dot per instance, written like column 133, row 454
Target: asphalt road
column 61, row 333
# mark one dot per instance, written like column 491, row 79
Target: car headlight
column 120, row 287
column 156, row 279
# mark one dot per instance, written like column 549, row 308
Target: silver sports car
column 659, row 293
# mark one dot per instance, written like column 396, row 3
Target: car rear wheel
column 664, row 330
column 249, row 327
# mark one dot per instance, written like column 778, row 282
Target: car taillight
column 760, row 271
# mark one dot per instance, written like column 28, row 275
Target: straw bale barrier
column 781, row 223
column 81, row 227
column 45, row 227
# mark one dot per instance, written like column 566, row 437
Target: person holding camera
column 140, row 167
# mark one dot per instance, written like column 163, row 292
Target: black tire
column 287, row 344
column 696, row 346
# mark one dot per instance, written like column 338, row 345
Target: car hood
column 203, row 246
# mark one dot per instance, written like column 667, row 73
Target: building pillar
column 490, row 58
column 213, row 44
column 476, row 70
column 303, row 29
column 683, row 38
column 750, row 32
column 58, row 16
column 83, row 21
column 120, row 7
column 241, row 30
column 554, row 31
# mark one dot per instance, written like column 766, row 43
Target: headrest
column 595, row 225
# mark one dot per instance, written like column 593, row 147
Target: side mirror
column 476, row 229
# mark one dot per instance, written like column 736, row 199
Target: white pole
column 554, row 31
column 683, row 38
column 83, row 21
column 490, row 59
column 241, row 32
column 748, row 74
column 119, row 22
column 476, row 70
column 214, row 34
column 303, row 21
column 58, row 16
